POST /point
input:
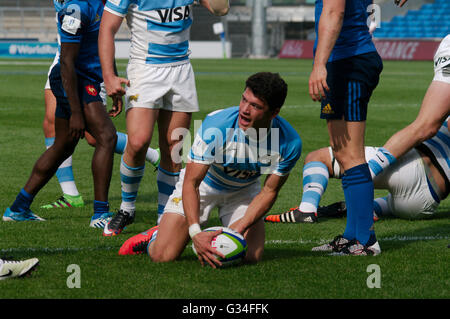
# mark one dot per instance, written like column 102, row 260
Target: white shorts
column 442, row 61
column 410, row 196
column 232, row 205
column 406, row 180
column 55, row 60
column 169, row 88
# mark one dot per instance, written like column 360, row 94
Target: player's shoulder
column 288, row 132
column 289, row 139
column 222, row 118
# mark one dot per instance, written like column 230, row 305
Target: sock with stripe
column 151, row 156
column 358, row 191
column 315, row 182
column 382, row 159
column 152, row 239
column 130, row 178
column 166, row 184
column 23, row 202
column 64, row 174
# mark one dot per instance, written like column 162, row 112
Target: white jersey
column 442, row 61
column 160, row 29
column 439, row 145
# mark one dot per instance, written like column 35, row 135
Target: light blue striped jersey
column 440, row 146
column 159, row 29
column 238, row 158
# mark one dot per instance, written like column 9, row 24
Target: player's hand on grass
column 116, row 106
column 77, row 125
column 318, row 83
column 205, row 253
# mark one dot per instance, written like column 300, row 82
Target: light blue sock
column 121, row 143
column 130, row 178
column 166, row 185
column 315, row 182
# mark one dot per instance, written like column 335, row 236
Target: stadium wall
column 388, row 49
column 35, row 49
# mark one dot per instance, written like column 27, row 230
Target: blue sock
column 121, row 143
column 100, row 207
column 23, row 202
column 358, row 191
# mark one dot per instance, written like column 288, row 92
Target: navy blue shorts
column 351, row 82
column 88, row 92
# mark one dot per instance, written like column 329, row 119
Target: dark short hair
column 269, row 88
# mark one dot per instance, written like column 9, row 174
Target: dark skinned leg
column 46, row 166
column 100, row 126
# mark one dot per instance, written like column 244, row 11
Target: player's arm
column 216, row 7
column 68, row 57
column 109, row 26
column 330, row 25
column 194, row 175
column 262, row 202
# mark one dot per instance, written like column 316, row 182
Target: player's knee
column 137, row 144
column 158, row 255
column 107, row 138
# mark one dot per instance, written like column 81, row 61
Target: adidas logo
column 327, row 109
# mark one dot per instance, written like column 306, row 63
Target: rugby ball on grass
column 230, row 243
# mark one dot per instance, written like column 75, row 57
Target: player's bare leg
column 172, row 238
column 100, row 126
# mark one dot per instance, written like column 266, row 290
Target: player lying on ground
column 434, row 110
column 416, row 182
column 231, row 150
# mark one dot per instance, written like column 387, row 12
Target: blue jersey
column 79, row 22
column 354, row 38
column 159, row 29
column 237, row 158
column 58, row 5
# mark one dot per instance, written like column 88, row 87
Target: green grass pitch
column 415, row 258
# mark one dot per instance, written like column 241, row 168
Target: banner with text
column 388, row 49
column 28, row 49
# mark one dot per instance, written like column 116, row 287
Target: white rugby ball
column 230, row 243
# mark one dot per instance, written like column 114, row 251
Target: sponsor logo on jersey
column 174, row 14
column 90, row 89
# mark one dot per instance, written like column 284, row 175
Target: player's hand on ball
column 205, row 253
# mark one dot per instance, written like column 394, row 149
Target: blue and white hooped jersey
column 440, row 146
column 160, row 29
column 237, row 158
column 79, row 22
